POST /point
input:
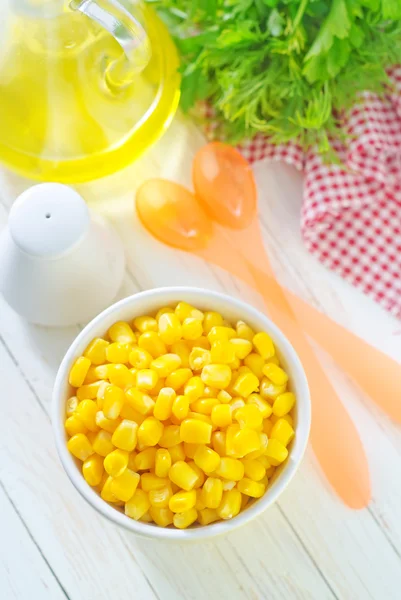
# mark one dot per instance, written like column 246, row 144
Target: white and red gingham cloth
column 351, row 215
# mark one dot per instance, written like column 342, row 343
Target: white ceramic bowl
column 148, row 303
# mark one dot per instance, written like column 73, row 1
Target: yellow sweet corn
column 162, row 311
column 126, row 435
column 106, row 494
column 264, row 345
column 190, row 449
column 166, row 364
column 269, row 390
column 244, row 331
column 220, row 333
column 118, row 353
column 224, row 397
column 164, row 404
column 170, row 330
column 182, row 350
column 242, row 348
column 145, row 459
column 99, row 372
column 206, row 459
column 103, row 422
column 116, row 462
column 140, row 358
column 161, row 516
column 71, row 406
column 256, row 363
column 258, row 452
column 121, row 376
column 137, row 505
column 263, row 406
column 146, row 518
column 149, row 481
column 231, row 432
column 200, row 417
column 123, row 486
column 89, row 391
column 86, row 412
column 152, row 343
column 184, row 311
column 96, row 351
column 183, row 475
column 162, row 462
column 195, row 431
column 182, row 501
column 194, row 388
column 145, row 323
column 201, row 476
column 249, row 416
column 222, row 352
column 177, row 453
column 150, row 431
column 200, row 342
column 267, row 427
column 171, row 436
column 282, row 431
column 113, row 401
column 276, row 374
column 185, row 519
column 207, row 516
column 92, row 470
column 74, row 425
column 230, row 505
column 215, row 375
column 283, row 404
column 146, row 379
column 80, row 446
column 251, row 488
column 78, row 371
column 122, row 333
column 180, row 407
column 221, row 415
column 102, row 443
column 276, row 452
column 199, row 358
column 219, row 442
column 212, row 319
column 212, row 492
column 192, row 328
column 235, row 404
column 253, row 469
column 204, row 406
column 230, row 468
column 140, row 401
column 178, row 378
column 246, row 384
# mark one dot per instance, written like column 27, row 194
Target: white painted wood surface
column 308, row 546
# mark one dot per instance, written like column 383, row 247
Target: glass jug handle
column 127, row 31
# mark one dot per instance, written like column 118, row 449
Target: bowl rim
column 149, row 530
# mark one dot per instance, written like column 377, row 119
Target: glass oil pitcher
column 85, row 86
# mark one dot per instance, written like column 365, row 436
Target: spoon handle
column 334, row 437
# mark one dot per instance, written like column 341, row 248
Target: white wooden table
column 309, row 546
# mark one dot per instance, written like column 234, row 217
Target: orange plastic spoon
column 173, row 215
column 225, row 186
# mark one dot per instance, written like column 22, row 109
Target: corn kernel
column 78, row 371
column 269, row 390
column 145, row 323
column 183, row 310
column 192, row 329
column 264, row 345
column 204, row 406
column 164, row 404
column 166, row 364
column 246, row 384
column 140, row 358
column 116, row 462
column 194, row 388
column 222, row 352
column 152, row 343
column 276, row 452
column 106, row 494
column 263, row 406
column 182, row 350
column 244, row 331
column 228, row 485
column 230, row 505
column 251, row 488
column 218, row 376
column 242, row 348
column 287, row 418
column 161, row 516
column 146, row 459
column 231, row 432
column 230, row 468
column 207, row 516
column 103, row 422
column 146, row 518
column 256, row 363
column 190, row 449
column 182, row 501
column 122, row 333
column 267, row 427
column 199, row 505
column 171, row 436
column 180, row 407
column 96, row 351
column 253, row 469
column 89, row 391
column 219, row 442
column 178, row 378
column 212, row 319
column 149, row 481
column 235, row 404
column 113, row 401
column 92, row 469
column 235, row 364
column 162, row 311
column 150, row 432
column 276, row 374
column 264, row 461
column 123, row 486
column 140, row 401
column 86, row 412
column 212, row 492
column 100, row 372
column 200, row 417
column 249, row 416
column 250, row 443
column 183, row 475
column 80, row 446
column 71, row 406
column 201, row 476
column 138, row 505
column 200, row 342
column 221, row 415
column 102, row 443
column 283, row 404
column 282, row 431
column 125, row 436
column 185, row 519
column 177, row 453
column 195, row 431
column 121, row 376
column 146, row 379
column 118, row 353
column 91, row 376
column 220, row 333
column 199, row 358
column 170, row 330
column 162, row 462
column 224, row 397
column 74, row 425
column 207, row 459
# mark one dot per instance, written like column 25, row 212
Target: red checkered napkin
column 351, row 217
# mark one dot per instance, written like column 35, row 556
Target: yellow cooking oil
column 71, row 107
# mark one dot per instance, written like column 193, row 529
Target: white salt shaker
column 59, row 264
